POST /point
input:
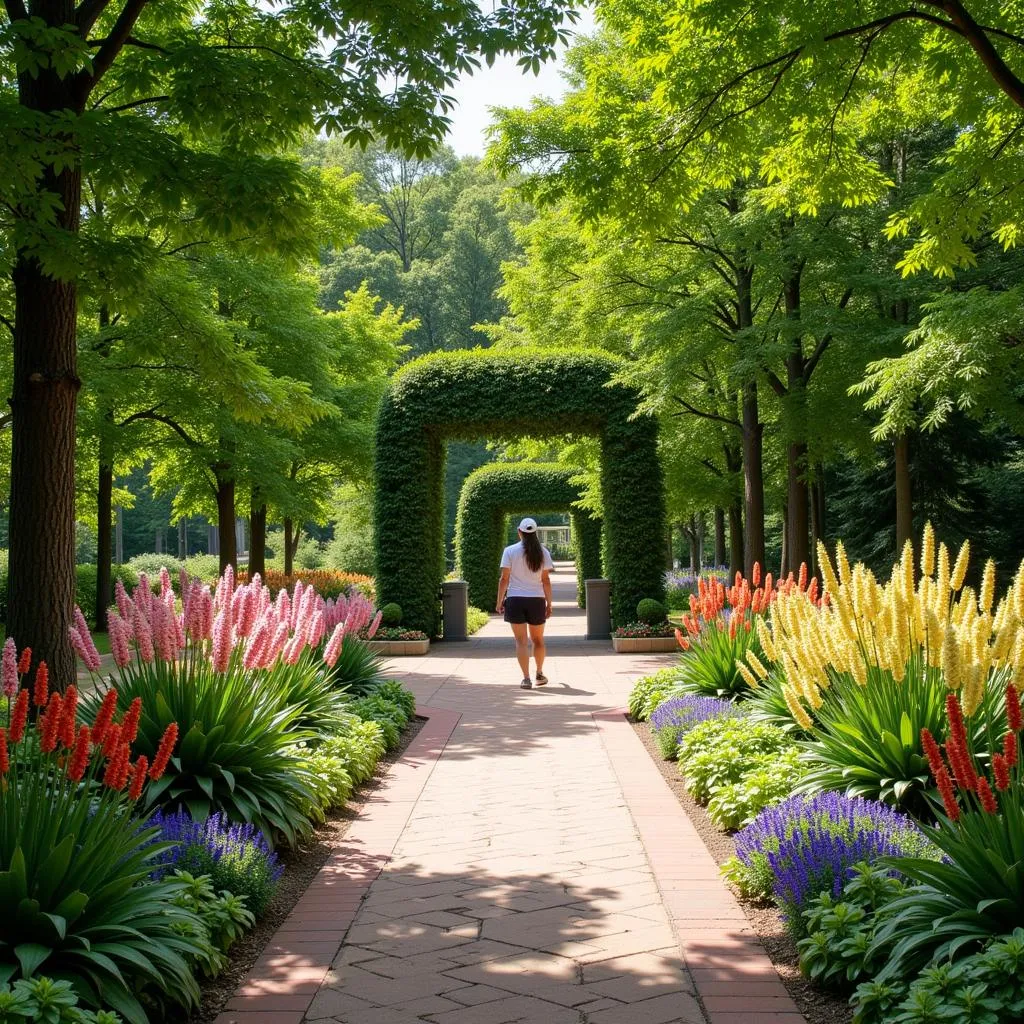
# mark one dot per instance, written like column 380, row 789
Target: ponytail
column 534, row 552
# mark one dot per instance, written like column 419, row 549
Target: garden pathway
column 525, row 861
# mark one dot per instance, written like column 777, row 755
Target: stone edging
column 733, row 976
column 644, row 644
column 283, row 982
column 398, row 648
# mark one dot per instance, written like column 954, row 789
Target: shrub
column 391, row 614
column 391, row 717
column 395, row 692
column 476, row 619
column 73, row 860
column 331, row 781
column 768, row 779
column 205, row 568
column 977, row 890
column 650, row 611
column 441, row 395
column 328, row 583
column 44, row 1001
column 152, row 563
column 236, row 857
column 649, row 691
column 678, row 588
column 721, row 751
column 223, row 919
column 676, row 716
column 359, row 748
column 85, row 582
column 805, row 846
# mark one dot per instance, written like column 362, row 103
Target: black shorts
column 526, row 609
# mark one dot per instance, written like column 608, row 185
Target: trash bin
column 599, row 608
column 454, row 609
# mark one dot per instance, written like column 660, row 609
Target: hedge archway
column 506, row 395
column 489, row 494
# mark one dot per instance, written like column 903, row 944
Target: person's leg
column 539, row 650
column 522, row 647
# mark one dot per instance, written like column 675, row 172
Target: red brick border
column 282, row 983
column 733, row 976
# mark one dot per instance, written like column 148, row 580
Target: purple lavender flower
column 689, row 709
column 809, row 844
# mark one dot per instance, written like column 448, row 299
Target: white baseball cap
column 528, row 525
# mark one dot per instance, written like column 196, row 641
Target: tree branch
column 136, row 103
column 704, row 415
column 777, row 386
column 823, row 344
column 152, row 414
column 113, row 44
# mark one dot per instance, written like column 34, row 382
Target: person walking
column 524, row 595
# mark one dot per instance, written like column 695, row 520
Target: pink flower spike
column 297, row 595
column 76, row 642
column 374, row 626
column 143, row 634
column 333, row 649
column 124, row 604
column 342, row 607
column 9, row 672
column 165, row 582
column 255, row 649
column 293, row 650
column 143, row 595
column 222, row 641
column 315, row 629
column 93, row 662
column 118, row 630
column 159, row 624
column 247, row 617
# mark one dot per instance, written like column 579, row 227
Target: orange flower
column 945, row 784
column 104, row 716
column 19, row 716
column 1000, row 772
column 755, row 575
column 802, row 578
column 80, row 757
column 5, row 761
column 164, row 751
column 111, row 740
column 69, row 711
column 1013, row 715
column 931, row 751
column 138, row 778
column 1010, row 748
column 42, row 691
column 987, row 797
column 25, row 661
column 116, row 775
column 49, row 724
column 130, row 722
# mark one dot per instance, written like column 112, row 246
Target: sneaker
column 526, row 685
column 542, row 680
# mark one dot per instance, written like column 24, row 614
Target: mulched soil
column 818, row 1006
column 301, row 866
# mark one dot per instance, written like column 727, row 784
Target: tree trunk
column 784, row 566
column 44, row 395
column 104, row 536
column 257, row 537
column 904, row 503
column 735, row 538
column 818, row 520
column 719, row 537
column 226, row 518
column 753, row 481
column 289, row 551
column 797, row 498
column 798, row 508
column 691, row 536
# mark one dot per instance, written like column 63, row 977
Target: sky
column 503, row 85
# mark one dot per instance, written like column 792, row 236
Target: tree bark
column 753, row 481
column 226, row 517
column 257, row 537
column 719, row 537
column 797, row 498
column 735, row 538
column 289, row 551
column 817, row 516
column 784, row 564
column 41, row 568
column 904, row 499
column 104, row 537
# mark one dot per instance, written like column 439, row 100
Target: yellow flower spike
column 956, row 580
column 859, row 670
column 757, row 665
column 973, row 691
column 928, row 550
column 951, row 658
column 767, row 641
column 843, row 564
column 828, row 574
column 1018, row 594
column 988, row 586
column 942, row 574
column 899, row 667
column 935, row 637
column 748, row 676
column 796, row 709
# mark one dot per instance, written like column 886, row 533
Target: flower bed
column 643, row 637
column 871, row 756
column 237, row 720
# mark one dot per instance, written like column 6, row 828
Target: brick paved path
column 539, row 870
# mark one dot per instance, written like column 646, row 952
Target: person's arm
column 546, row 581
column 502, row 587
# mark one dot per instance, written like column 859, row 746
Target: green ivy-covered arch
column 506, row 395
column 489, row 494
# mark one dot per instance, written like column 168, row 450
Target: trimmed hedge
column 494, row 490
column 504, row 395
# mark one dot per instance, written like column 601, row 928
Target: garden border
column 733, row 976
column 281, row 985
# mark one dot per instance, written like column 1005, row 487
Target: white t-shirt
column 523, row 581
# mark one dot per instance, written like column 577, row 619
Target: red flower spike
column 41, row 694
column 1000, row 772
column 111, row 740
column 812, row 590
column 25, row 661
column 945, row 784
column 130, row 722
column 116, row 775
column 960, row 762
column 1013, row 715
column 1010, row 749
column 80, row 757
column 49, row 724
column 768, row 584
column 138, row 778
column 802, row 579
column 104, row 716
column 932, row 752
column 755, row 575
column 19, row 716
column 164, row 751
column 987, row 797
column 5, row 760
column 68, row 714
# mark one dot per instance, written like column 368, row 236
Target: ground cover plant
column 675, row 717
column 650, row 691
